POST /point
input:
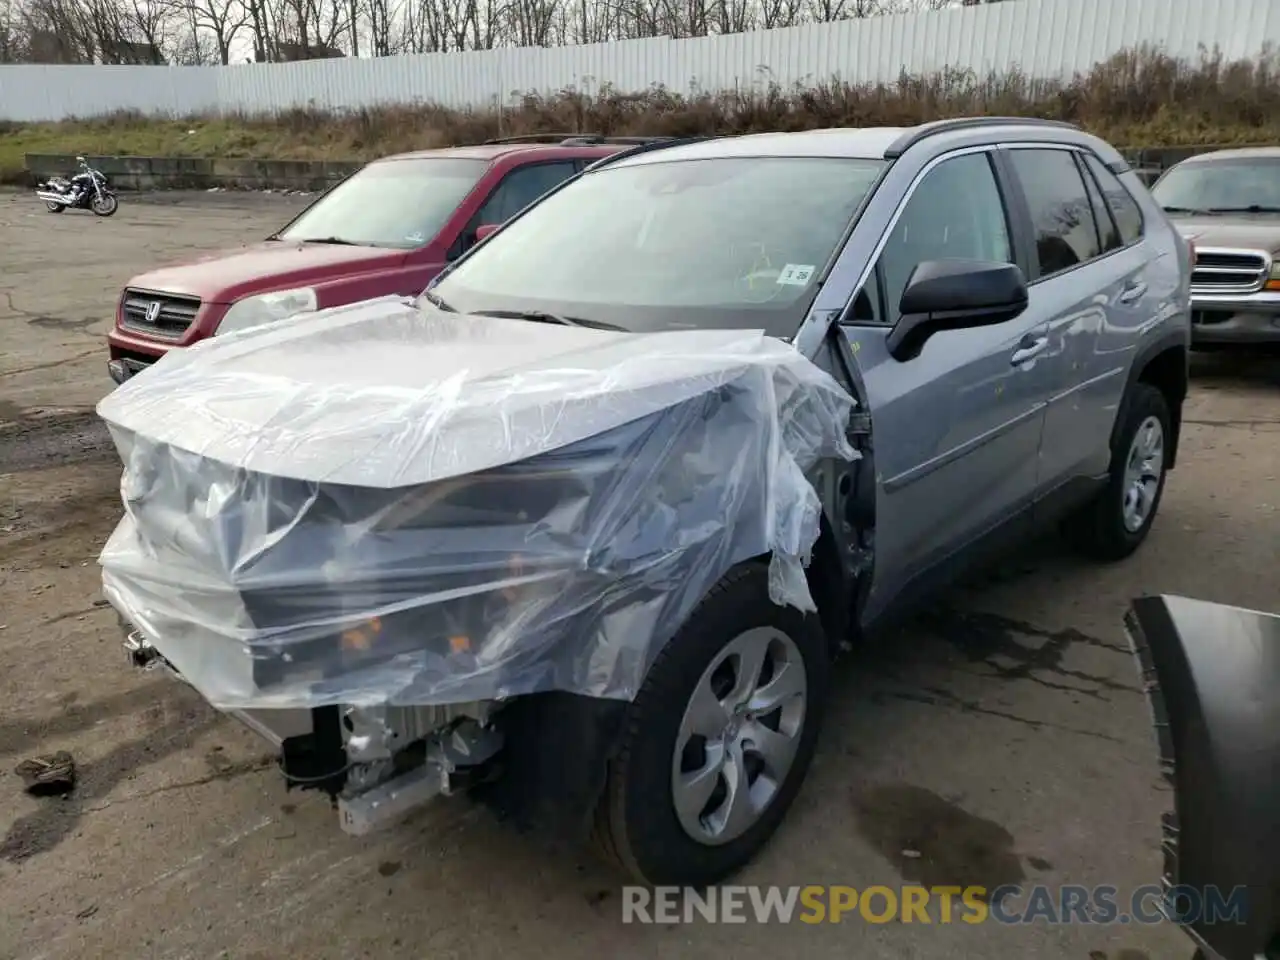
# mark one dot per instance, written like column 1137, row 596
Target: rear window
column 1125, row 209
column 391, row 203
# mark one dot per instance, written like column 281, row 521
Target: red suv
column 387, row 229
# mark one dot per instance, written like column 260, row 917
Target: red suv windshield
column 392, row 203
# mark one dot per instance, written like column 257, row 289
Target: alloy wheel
column 1143, row 469
column 739, row 735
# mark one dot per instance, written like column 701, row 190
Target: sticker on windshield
column 415, row 238
column 796, row 274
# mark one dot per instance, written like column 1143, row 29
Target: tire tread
column 1097, row 531
column 660, row 694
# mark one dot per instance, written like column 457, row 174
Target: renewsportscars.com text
column 1009, row 904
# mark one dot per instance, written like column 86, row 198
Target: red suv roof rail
column 533, row 138
column 572, row 139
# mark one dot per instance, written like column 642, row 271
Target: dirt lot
column 1002, row 736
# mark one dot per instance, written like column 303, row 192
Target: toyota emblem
column 153, row 311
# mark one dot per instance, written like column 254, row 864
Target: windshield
column 723, row 242
column 392, row 203
column 1221, row 186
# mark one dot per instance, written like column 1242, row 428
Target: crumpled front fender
column 1212, row 675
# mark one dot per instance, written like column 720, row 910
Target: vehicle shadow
column 1255, row 366
column 174, row 720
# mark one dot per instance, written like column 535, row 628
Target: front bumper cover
column 1235, row 318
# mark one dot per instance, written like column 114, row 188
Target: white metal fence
column 1042, row 37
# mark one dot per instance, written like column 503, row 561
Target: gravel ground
column 1001, row 736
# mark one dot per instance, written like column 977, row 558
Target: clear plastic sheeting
column 386, row 503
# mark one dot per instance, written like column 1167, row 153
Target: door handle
column 1029, row 347
column 1132, row 291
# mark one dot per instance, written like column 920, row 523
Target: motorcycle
column 86, row 190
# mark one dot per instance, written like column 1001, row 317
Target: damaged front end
column 1212, row 675
column 376, row 762
column 371, row 533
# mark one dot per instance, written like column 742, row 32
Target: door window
column 1108, row 233
column 956, row 212
column 1124, row 208
column 520, row 188
column 1066, row 234
column 514, row 192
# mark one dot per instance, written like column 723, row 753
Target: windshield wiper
column 538, row 316
column 437, row 301
column 1252, row 208
column 336, row 241
column 1188, row 210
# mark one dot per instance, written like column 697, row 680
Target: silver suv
column 1002, row 299
column 1006, row 302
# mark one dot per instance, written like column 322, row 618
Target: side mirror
column 485, row 229
column 954, row 295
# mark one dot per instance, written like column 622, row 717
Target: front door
column 958, row 428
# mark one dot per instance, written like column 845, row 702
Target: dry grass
column 1140, row 98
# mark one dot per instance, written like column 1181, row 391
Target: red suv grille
column 159, row 315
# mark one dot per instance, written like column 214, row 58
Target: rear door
column 957, row 429
column 1085, row 288
column 1134, row 282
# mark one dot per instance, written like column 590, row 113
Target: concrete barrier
column 196, row 173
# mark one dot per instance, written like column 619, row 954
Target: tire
column 1100, row 530
column 637, row 826
column 105, row 206
column 54, row 207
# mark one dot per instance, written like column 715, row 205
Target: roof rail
column 572, row 139
column 589, row 139
column 658, row 143
column 926, row 130
column 535, row 138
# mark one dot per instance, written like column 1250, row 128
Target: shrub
column 1138, row 98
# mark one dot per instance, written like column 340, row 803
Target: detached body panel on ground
column 1212, row 673
column 579, row 514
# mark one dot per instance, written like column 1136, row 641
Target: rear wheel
column 1114, row 524
column 718, row 740
column 54, row 207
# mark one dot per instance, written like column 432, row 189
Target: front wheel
column 718, row 740
column 1114, row 524
column 105, row 204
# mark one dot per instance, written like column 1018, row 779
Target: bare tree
column 313, row 25
column 222, row 21
column 439, row 26
column 530, row 23
column 218, row 31
column 381, row 18
column 12, row 47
